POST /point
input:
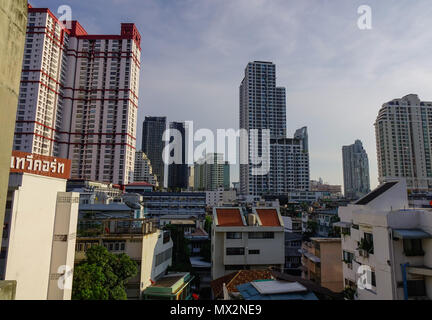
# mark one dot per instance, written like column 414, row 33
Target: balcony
column 98, row 228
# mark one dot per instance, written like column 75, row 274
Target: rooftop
column 229, row 217
column 376, row 193
column 269, row 217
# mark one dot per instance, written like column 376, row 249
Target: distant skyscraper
column 178, row 173
column 153, row 145
column 403, row 134
column 143, row 169
column 79, row 97
column 263, row 106
column 212, row 172
column 355, row 171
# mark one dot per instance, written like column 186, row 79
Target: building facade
column 143, row 169
column 79, row 97
column 211, row 173
column 390, row 242
column 220, row 197
column 178, row 174
column 153, row 144
column 355, row 171
column 263, row 106
column 240, row 242
column 403, row 134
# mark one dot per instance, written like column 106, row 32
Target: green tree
column 103, row 275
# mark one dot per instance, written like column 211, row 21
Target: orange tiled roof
column 268, row 217
column 229, row 217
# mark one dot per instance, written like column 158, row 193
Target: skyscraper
column 263, row 106
column 79, row 97
column 153, row 144
column 143, row 169
column 178, row 173
column 403, row 134
column 212, row 172
column 355, row 171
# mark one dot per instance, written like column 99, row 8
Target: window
column 235, row 251
column 254, row 252
column 234, row 235
column 413, row 247
column 373, row 279
column 348, row 257
column 261, row 235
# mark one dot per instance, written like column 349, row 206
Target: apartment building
column 143, row 170
column 140, row 239
column 184, row 204
column 263, row 106
column 391, row 242
column 246, row 242
column 322, row 262
column 39, row 230
column 79, row 97
column 178, row 175
column 355, row 171
column 211, row 173
column 403, row 133
column 220, row 197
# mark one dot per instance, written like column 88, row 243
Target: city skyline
column 317, row 46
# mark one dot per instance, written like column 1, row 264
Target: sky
column 337, row 76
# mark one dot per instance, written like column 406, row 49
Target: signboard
column 22, row 162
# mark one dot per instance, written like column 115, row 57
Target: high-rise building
column 263, row 106
column 355, row 171
column 178, row 173
column 153, row 144
column 79, row 97
column 211, row 173
column 143, row 169
column 403, row 133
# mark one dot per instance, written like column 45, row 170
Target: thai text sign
column 40, row 165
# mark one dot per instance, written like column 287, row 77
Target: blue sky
column 337, row 76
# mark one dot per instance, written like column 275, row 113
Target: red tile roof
column 232, row 280
column 268, row 217
column 229, row 217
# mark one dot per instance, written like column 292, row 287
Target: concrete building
column 140, row 239
column 263, row 106
column 355, row 171
column 321, row 262
column 391, row 242
column 92, row 192
column 403, row 132
column 153, row 144
column 13, row 21
column 211, row 173
column 220, row 197
column 182, row 203
column 173, row 286
column 39, row 226
column 144, row 170
column 240, row 242
column 293, row 244
column 307, row 196
column 320, row 186
column 79, row 97
column 178, row 178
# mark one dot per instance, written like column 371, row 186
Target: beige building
column 143, row 169
column 39, row 240
column 140, row 239
column 321, row 262
column 220, row 197
column 391, row 242
column 13, row 22
column 254, row 241
column 403, row 134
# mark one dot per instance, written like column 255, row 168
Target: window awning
column 411, row 234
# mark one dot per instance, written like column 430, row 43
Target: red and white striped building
column 79, row 97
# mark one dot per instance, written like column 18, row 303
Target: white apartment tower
column 79, row 97
column 263, row 106
column 143, row 169
column 403, row 135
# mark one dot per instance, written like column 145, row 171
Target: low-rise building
column 293, row 244
column 387, row 246
column 255, row 241
column 322, row 262
column 173, row 286
column 220, row 197
column 140, row 239
column 168, row 203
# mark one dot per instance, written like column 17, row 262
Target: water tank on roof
column 252, row 220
